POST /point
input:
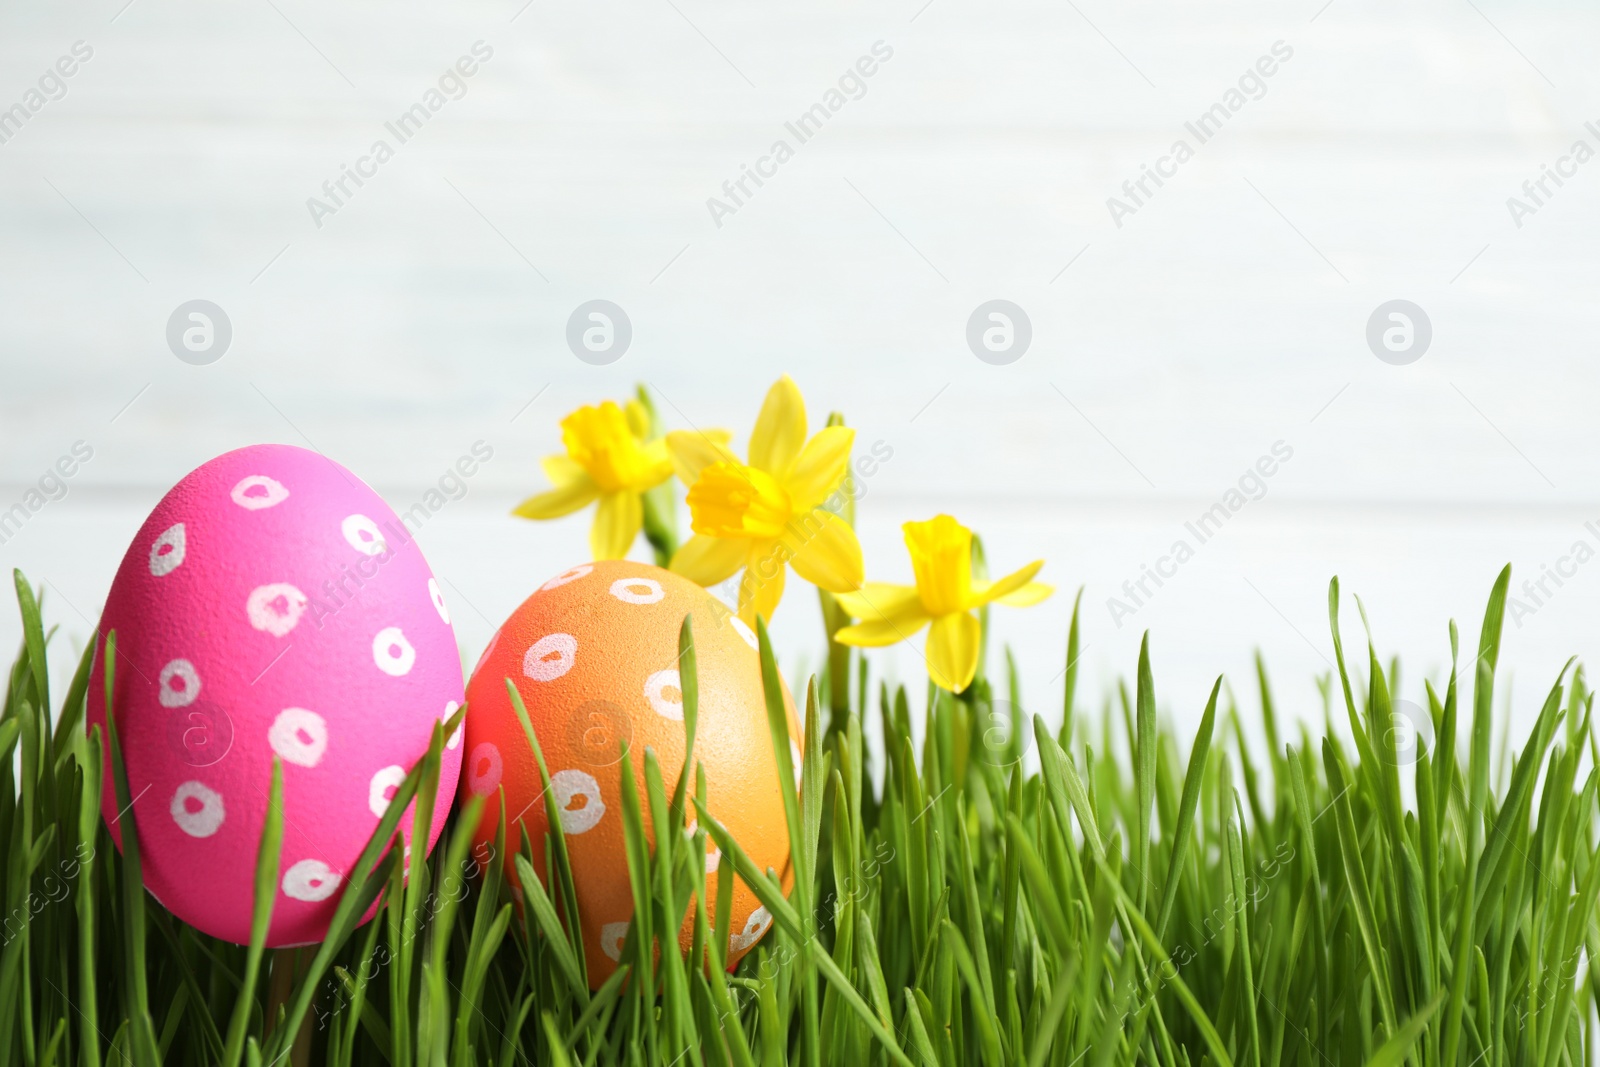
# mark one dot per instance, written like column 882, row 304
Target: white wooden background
column 1228, row 314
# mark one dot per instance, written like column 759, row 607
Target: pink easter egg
column 271, row 605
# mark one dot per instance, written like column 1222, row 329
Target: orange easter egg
column 594, row 656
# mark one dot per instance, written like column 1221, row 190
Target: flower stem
column 659, row 528
column 834, row 619
column 980, row 572
column 660, row 506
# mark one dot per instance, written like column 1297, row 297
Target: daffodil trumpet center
column 941, row 558
column 600, row 441
column 735, row 500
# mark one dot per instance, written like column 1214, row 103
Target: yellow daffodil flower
column 945, row 595
column 608, row 460
column 767, row 514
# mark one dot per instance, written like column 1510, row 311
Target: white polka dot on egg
column 381, row 790
column 310, row 881
column 550, row 657
column 743, row 630
column 275, row 608
column 655, row 691
column 363, row 535
column 754, row 927
column 197, row 809
column 612, row 937
column 450, row 708
column 168, row 549
column 187, row 687
column 258, row 491
column 483, row 769
column 580, row 571
column 392, row 652
column 568, row 784
column 637, row 590
column 713, row 853
column 438, row 601
column 299, row 736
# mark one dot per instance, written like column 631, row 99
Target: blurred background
column 1158, row 340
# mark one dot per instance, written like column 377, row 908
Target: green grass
column 1141, row 898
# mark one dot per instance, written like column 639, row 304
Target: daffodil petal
column 692, row 451
column 820, row 466
column 762, row 585
column 561, row 469
column 879, row 600
column 562, row 500
column 884, row 631
column 1027, row 596
column 953, row 642
column 824, row 551
column 616, row 523
column 708, row 560
column 780, row 429
column 983, row 592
